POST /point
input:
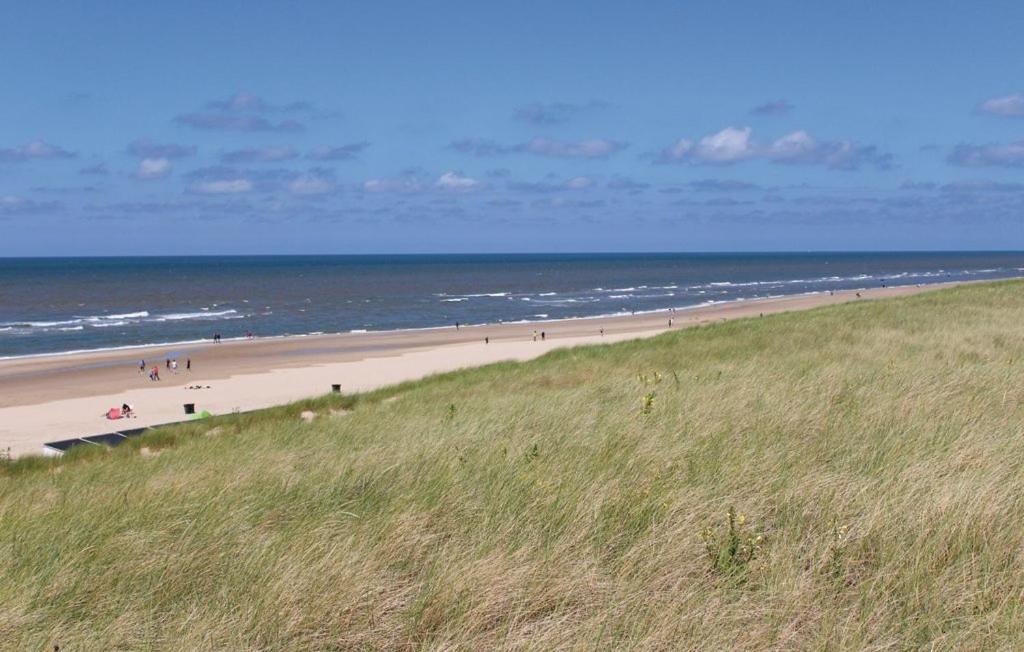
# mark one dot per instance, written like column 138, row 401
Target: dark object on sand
column 336, row 388
column 190, row 408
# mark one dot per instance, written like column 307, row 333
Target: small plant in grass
column 450, row 412
column 533, row 453
column 654, row 379
column 834, row 561
column 647, row 403
column 730, row 550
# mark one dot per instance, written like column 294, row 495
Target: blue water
column 66, row 304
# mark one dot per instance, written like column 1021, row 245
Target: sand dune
column 48, row 398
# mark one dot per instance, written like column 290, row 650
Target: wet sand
column 48, row 398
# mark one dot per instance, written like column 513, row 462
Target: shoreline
column 415, row 329
column 59, row 396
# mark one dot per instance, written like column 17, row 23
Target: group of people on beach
column 171, row 364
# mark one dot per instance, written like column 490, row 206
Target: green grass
column 872, row 453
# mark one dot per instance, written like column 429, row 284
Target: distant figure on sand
column 126, row 411
column 142, row 366
column 155, row 373
column 168, row 365
column 487, row 340
column 602, row 332
column 670, row 322
column 188, row 364
column 542, row 336
column 534, row 336
column 174, row 366
column 216, row 338
column 456, row 325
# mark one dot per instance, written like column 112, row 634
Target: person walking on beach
column 174, row 366
column 534, row 336
column 542, row 336
column 487, row 340
column 142, row 366
column 456, row 325
column 188, row 364
column 155, row 374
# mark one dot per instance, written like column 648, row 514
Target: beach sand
column 49, row 398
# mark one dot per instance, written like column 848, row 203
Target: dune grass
column 843, row 478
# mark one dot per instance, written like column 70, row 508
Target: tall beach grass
column 843, row 478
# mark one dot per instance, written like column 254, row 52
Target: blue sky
column 532, row 126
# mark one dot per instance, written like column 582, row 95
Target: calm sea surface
column 66, row 304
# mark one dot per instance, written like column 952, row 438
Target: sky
column 254, row 127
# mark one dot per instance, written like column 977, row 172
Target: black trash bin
column 336, row 389
column 190, row 408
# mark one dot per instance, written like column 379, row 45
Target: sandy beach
column 54, row 397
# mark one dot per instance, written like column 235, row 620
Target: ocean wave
column 455, row 300
column 40, row 324
column 127, row 315
column 178, row 316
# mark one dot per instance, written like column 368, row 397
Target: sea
column 55, row 305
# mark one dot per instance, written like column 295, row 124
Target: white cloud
column 154, row 168
column 259, row 155
column 455, row 181
column 732, row 145
column 727, row 146
column 34, row 150
column 579, row 183
column 792, row 146
column 998, row 155
column 339, row 153
column 222, row 187
column 677, row 152
column 396, row 184
column 589, row 148
column 11, row 205
column 1008, row 106
column 798, row 148
column 311, row 184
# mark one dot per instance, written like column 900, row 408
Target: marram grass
column 844, row 478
